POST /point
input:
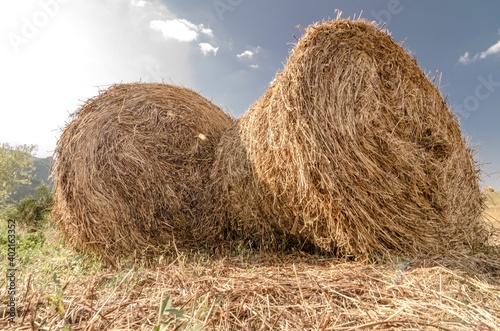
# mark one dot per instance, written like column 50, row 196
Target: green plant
column 16, row 165
column 30, row 241
column 57, row 300
column 165, row 309
column 33, row 211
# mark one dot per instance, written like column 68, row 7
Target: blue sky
column 57, row 53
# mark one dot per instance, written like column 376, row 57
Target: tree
column 16, row 165
column 32, row 211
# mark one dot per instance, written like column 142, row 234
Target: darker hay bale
column 244, row 211
column 352, row 148
column 131, row 168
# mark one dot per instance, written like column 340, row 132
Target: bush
column 30, row 241
column 33, row 211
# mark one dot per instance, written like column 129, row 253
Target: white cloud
column 206, row 31
column 138, row 3
column 199, row 28
column 254, row 66
column 492, row 50
column 246, row 54
column 464, row 59
column 206, row 48
column 174, row 29
column 84, row 45
column 180, row 29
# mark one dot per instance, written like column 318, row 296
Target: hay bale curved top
column 132, row 165
column 360, row 148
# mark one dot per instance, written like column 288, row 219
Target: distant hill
column 40, row 176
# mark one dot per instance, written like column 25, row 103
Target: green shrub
column 33, row 211
column 30, row 241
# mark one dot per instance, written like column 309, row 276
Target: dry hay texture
column 352, row 148
column 293, row 292
column 131, row 168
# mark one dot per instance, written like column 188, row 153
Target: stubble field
column 57, row 289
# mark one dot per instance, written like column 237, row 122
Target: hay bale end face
column 131, row 169
column 352, row 147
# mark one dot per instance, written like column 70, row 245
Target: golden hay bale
column 131, row 168
column 243, row 211
column 353, row 148
column 489, row 189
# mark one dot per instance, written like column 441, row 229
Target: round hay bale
column 244, row 212
column 489, row 189
column 351, row 147
column 131, row 168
